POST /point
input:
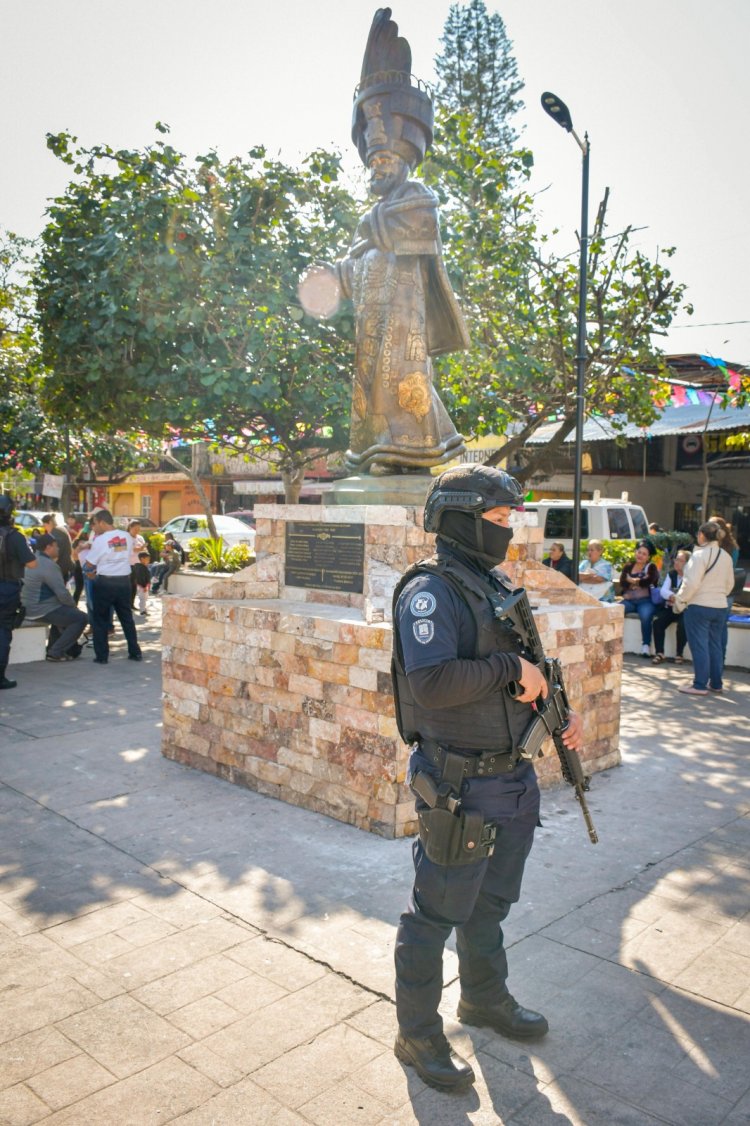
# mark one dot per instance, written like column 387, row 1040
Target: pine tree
column 477, row 71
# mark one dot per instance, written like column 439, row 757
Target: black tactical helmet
column 470, row 488
column 7, row 504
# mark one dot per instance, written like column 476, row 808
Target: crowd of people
column 43, row 577
column 695, row 595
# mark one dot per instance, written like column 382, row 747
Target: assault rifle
column 553, row 713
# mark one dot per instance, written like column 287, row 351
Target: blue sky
column 659, row 86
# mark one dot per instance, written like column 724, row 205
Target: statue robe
column 405, row 313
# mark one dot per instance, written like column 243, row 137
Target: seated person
column 558, row 560
column 665, row 615
column 47, row 599
column 595, row 573
column 636, row 580
column 172, row 557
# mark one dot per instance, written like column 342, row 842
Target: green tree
column 168, row 305
column 477, row 72
column 32, row 438
column 521, row 298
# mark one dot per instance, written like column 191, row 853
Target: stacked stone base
column 292, row 700
column 288, row 691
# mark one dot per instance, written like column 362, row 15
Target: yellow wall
column 476, row 451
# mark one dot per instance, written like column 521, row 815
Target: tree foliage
column 167, row 297
column 31, row 438
column 477, row 72
column 521, row 300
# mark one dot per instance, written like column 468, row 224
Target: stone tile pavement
column 175, row 949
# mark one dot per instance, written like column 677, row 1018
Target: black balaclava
column 460, row 529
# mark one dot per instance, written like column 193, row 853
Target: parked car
column 193, row 526
column 246, row 515
column 32, row 517
column 601, row 519
column 146, row 524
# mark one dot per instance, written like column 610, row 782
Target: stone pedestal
column 287, row 690
column 391, row 488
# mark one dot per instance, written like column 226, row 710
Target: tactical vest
column 496, row 722
column 11, row 569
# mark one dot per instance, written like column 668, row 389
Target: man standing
column 109, row 560
column 65, row 547
column 46, row 598
column 464, row 698
column 16, row 558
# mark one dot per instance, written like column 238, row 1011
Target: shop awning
column 674, row 420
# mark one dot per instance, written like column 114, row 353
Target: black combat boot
column 434, row 1061
column 4, row 682
column 506, row 1017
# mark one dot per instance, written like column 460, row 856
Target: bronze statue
column 405, row 308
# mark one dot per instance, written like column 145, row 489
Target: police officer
column 477, row 799
column 15, row 556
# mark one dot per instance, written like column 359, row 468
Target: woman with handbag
column 728, row 543
column 665, row 615
column 637, row 579
column 707, row 582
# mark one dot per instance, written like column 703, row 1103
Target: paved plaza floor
column 176, row 949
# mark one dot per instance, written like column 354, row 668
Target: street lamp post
column 560, row 113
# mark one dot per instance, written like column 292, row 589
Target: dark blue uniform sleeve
column 436, row 630
column 19, row 545
column 431, row 623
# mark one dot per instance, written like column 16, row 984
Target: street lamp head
column 557, row 110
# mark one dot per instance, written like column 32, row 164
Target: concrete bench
column 29, row 643
column 738, row 646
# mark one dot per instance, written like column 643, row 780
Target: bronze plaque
column 328, row 556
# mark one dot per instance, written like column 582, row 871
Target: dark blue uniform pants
column 475, row 899
column 10, row 600
column 108, row 594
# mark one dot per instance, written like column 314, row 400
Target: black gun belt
column 476, row 764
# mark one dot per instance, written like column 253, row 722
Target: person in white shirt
column 665, row 615
column 139, row 545
column 595, row 573
column 707, row 582
column 108, row 563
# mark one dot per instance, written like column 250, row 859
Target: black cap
column 7, row 504
column 44, row 541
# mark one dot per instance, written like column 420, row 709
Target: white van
column 601, row 519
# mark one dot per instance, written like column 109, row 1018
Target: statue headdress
column 390, row 112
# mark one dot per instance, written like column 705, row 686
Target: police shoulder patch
column 422, row 604
column 424, row 630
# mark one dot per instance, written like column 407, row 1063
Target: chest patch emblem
column 422, row 604
column 424, row 630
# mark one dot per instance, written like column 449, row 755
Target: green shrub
column 239, row 556
column 667, row 544
column 212, row 555
column 154, row 543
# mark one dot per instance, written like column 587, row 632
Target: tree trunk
column 706, row 482
column 542, row 453
column 198, row 486
column 292, row 477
